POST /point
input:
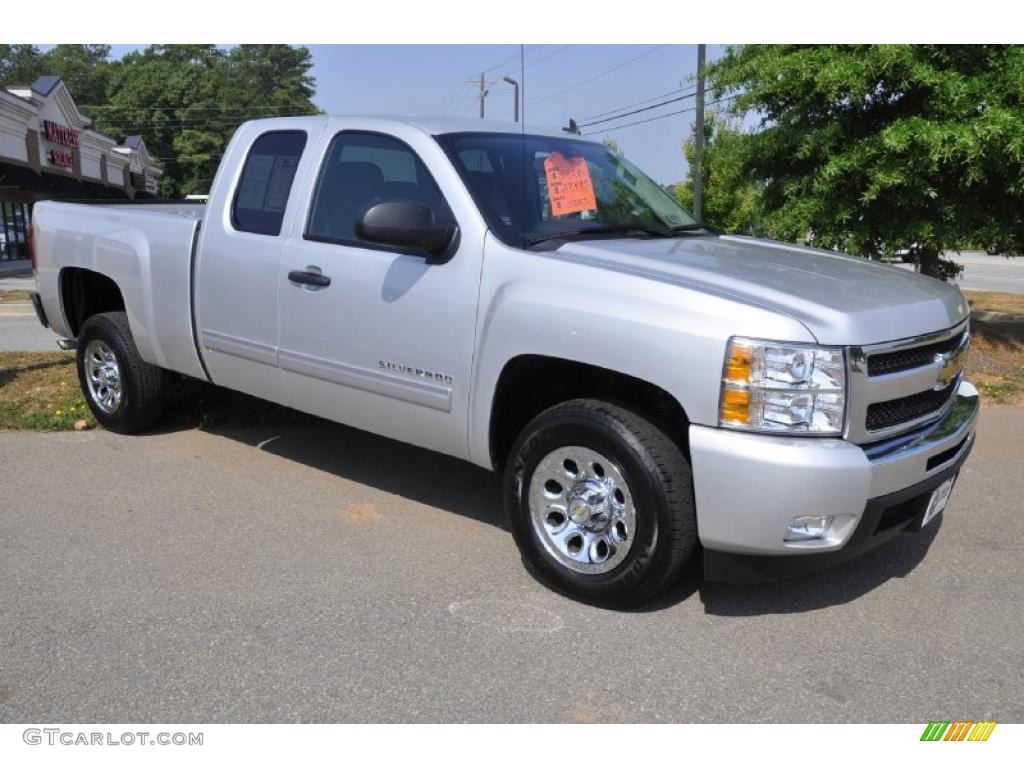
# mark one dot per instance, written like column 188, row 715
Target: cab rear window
column 266, row 182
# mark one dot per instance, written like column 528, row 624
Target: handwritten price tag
column 569, row 187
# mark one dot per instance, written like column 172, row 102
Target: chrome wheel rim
column 582, row 510
column 102, row 376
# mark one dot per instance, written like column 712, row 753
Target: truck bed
column 147, row 248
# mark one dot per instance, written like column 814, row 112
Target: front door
column 371, row 336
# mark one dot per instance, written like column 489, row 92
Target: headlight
column 773, row 387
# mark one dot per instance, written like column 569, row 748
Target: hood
column 841, row 299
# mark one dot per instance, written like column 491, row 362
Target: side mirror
column 407, row 224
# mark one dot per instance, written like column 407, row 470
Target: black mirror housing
column 406, row 224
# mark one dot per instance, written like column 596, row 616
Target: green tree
column 85, row 70
column 731, row 198
column 612, row 145
column 879, row 149
column 20, row 64
column 187, row 100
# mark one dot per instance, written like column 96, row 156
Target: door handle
column 308, row 277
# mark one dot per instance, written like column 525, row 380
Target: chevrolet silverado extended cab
column 529, row 301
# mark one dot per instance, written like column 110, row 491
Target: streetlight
column 512, row 81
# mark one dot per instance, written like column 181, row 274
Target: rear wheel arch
column 84, row 293
column 530, row 384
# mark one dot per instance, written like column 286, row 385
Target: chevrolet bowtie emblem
column 949, row 367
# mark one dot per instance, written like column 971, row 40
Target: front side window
column 266, row 182
column 361, row 170
column 532, row 188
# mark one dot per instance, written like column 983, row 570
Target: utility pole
column 483, row 94
column 513, row 81
column 698, row 139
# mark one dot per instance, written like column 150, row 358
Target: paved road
column 322, row 574
column 14, row 282
column 15, row 267
column 19, row 329
column 23, row 333
column 991, row 273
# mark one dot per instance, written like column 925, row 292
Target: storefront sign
column 60, row 134
column 61, row 159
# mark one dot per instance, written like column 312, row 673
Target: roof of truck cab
column 431, row 124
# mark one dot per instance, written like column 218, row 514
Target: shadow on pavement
column 836, row 586
column 464, row 489
column 404, row 470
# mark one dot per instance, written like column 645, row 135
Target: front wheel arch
column 529, row 384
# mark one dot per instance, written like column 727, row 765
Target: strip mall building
column 48, row 151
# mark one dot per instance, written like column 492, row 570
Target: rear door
column 239, row 265
column 388, row 345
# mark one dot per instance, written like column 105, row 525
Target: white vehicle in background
column 535, row 304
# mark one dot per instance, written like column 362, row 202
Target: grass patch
column 995, row 363
column 993, row 301
column 39, row 390
column 15, row 296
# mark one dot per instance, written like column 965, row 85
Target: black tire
column 141, row 383
column 659, row 479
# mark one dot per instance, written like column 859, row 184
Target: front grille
column 892, row 413
column 906, row 359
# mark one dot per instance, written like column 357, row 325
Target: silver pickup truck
column 654, row 391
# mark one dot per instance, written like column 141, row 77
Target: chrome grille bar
column 866, row 390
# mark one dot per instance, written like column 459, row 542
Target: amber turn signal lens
column 736, row 405
column 738, row 367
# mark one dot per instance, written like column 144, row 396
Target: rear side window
column 360, row 170
column 266, row 182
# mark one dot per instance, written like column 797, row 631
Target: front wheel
column 123, row 390
column 600, row 502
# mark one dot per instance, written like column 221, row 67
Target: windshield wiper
column 607, row 229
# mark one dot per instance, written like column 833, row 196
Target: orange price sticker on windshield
column 569, row 187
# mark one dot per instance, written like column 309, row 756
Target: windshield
column 566, row 187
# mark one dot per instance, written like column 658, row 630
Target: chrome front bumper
column 749, row 487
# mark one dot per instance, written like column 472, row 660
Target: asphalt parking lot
column 323, row 574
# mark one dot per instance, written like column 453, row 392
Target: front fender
column 667, row 335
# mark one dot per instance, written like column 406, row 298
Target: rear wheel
column 601, row 503
column 123, row 391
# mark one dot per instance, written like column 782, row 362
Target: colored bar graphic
column 982, row 731
column 934, row 730
column 958, row 730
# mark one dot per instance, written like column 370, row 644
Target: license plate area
column 938, row 500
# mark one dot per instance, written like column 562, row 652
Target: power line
column 513, row 57
column 501, row 63
column 462, row 101
column 196, row 109
column 453, row 98
column 549, row 56
column 637, row 111
column 598, row 76
column 176, row 122
column 541, row 60
column 636, row 103
column 658, row 117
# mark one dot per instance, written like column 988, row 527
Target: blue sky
column 414, row 79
